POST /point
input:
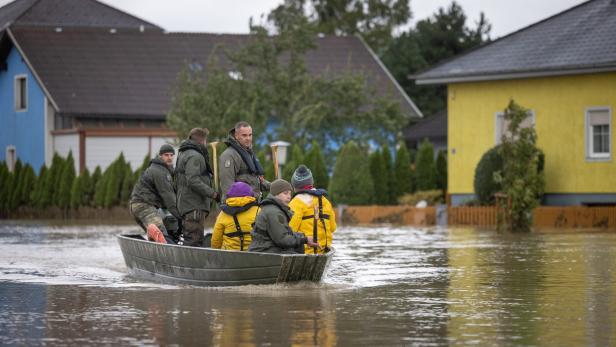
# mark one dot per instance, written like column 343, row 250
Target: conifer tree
column 404, row 174
column 13, row 190
column 425, row 170
column 391, row 176
column 351, row 181
column 50, row 187
column 76, row 193
column 441, row 171
column 26, row 185
column 144, row 165
column 37, row 190
column 316, row 163
column 66, row 182
column 379, row 178
column 4, row 183
column 112, row 184
column 295, row 158
column 85, row 182
column 91, row 190
column 127, row 186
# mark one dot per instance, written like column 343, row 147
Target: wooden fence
column 543, row 217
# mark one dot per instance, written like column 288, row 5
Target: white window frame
column 499, row 117
column 16, row 94
column 588, row 138
column 11, row 159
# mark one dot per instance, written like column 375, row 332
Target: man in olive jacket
column 154, row 190
column 271, row 233
column 194, row 186
column 239, row 163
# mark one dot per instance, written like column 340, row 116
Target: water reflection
column 387, row 286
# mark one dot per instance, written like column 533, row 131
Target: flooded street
column 385, row 286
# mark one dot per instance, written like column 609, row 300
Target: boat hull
column 175, row 264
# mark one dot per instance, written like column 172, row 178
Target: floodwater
column 386, row 286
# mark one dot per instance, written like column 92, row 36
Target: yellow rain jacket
column 226, row 234
column 303, row 206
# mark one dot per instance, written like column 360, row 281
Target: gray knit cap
column 166, row 148
column 279, row 186
column 302, row 177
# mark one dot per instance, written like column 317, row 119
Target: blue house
column 81, row 76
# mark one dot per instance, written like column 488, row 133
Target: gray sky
column 231, row 16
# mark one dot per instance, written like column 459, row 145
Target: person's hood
column 158, row 161
column 240, row 201
column 191, row 144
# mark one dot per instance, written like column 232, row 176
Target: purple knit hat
column 239, row 189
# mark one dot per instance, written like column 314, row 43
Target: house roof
column 433, row 127
column 68, row 13
column 92, row 72
column 581, row 39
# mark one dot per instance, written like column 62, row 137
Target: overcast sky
column 231, row 16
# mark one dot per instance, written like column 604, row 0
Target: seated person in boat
column 236, row 219
column 154, row 190
column 271, row 233
column 313, row 214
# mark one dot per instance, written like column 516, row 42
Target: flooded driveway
column 385, row 286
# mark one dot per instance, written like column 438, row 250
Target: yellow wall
column 559, row 104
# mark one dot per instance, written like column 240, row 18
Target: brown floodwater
column 67, row 285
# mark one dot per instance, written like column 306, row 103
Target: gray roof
column 92, row 72
column 432, row 128
column 581, row 39
column 68, row 13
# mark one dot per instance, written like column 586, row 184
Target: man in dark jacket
column 271, row 233
column 239, row 163
column 194, row 186
column 154, row 190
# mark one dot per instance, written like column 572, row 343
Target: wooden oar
column 215, row 163
column 275, row 159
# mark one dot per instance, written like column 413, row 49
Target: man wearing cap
column 154, row 190
column 313, row 214
column 239, row 163
column 271, row 233
column 194, row 186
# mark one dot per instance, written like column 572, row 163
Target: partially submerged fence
column 543, row 217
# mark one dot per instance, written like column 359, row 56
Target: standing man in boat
column 239, row 163
column 154, row 190
column 313, row 214
column 194, row 186
column 271, row 233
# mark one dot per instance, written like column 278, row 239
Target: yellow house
column 564, row 70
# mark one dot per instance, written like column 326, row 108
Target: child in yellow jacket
column 307, row 203
column 236, row 219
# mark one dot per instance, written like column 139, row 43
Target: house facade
column 80, row 76
column 563, row 69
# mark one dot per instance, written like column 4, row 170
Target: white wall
column 63, row 143
column 103, row 150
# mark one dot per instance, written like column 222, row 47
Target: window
column 21, row 93
column 502, row 125
column 598, row 133
column 11, row 157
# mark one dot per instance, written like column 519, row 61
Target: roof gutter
column 511, row 76
column 36, row 76
column 393, row 80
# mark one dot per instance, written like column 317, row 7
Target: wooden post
column 275, row 159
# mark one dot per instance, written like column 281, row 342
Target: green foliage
column 425, row 169
column 295, row 157
column 374, row 20
column 127, row 186
column 98, row 192
column 63, row 196
column 37, row 191
column 484, row 183
column 5, row 177
column 315, row 161
column 144, row 165
column 403, row 171
column 523, row 181
column 351, row 181
column 441, row 171
column 76, row 193
column 12, row 193
column 432, row 40
column 113, row 182
column 26, row 186
column 378, row 173
column 391, row 189
column 271, row 83
column 86, row 188
column 52, row 180
column 432, row 197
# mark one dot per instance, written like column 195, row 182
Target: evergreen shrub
column 351, row 181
